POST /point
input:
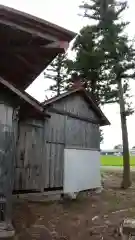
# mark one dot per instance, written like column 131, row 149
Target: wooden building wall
column 54, row 152
column 40, row 148
column 75, row 104
column 67, row 130
column 6, row 113
column 29, row 156
column 8, row 130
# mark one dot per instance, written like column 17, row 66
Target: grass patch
column 115, row 161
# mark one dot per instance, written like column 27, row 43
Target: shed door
column 29, row 157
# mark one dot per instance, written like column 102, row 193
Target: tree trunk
column 93, row 89
column 58, row 86
column 126, row 182
column 58, row 75
column 58, row 81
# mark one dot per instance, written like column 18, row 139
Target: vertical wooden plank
column 3, row 110
column 43, row 156
column 90, row 137
column 9, row 115
column 57, row 149
column 58, row 165
column 86, row 130
column 27, row 147
column 6, row 115
column 74, row 132
column 55, row 124
column 76, row 104
column 52, row 165
column 47, row 165
column 29, row 152
column 83, row 134
column 61, row 164
column 20, row 148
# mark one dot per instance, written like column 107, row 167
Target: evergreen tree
column 91, row 64
column 106, row 58
column 58, row 72
column 101, row 136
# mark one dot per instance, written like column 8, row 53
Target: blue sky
column 65, row 13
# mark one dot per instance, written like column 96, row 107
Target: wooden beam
column 62, row 45
column 58, row 44
column 21, row 95
column 27, row 63
column 27, row 18
column 72, row 115
column 53, row 142
column 28, row 30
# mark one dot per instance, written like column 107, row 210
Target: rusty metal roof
column 27, row 45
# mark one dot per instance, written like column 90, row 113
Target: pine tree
column 91, row 64
column 107, row 61
column 58, row 72
column 101, row 136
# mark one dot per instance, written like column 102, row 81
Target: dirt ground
column 92, row 216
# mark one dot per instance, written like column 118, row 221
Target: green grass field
column 115, row 161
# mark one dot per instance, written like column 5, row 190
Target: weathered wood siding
column 40, row 147
column 77, row 105
column 6, row 115
column 53, row 165
column 7, row 156
column 81, row 134
column 54, row 150
column 55, row 126
column 71, row 132
column 65, row 131
column 29, row 159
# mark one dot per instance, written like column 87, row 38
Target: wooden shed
column 27, row 46
column 74, row 123
column 41, row 133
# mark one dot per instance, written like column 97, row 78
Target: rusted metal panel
column 29, row 175
column 77, row 105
